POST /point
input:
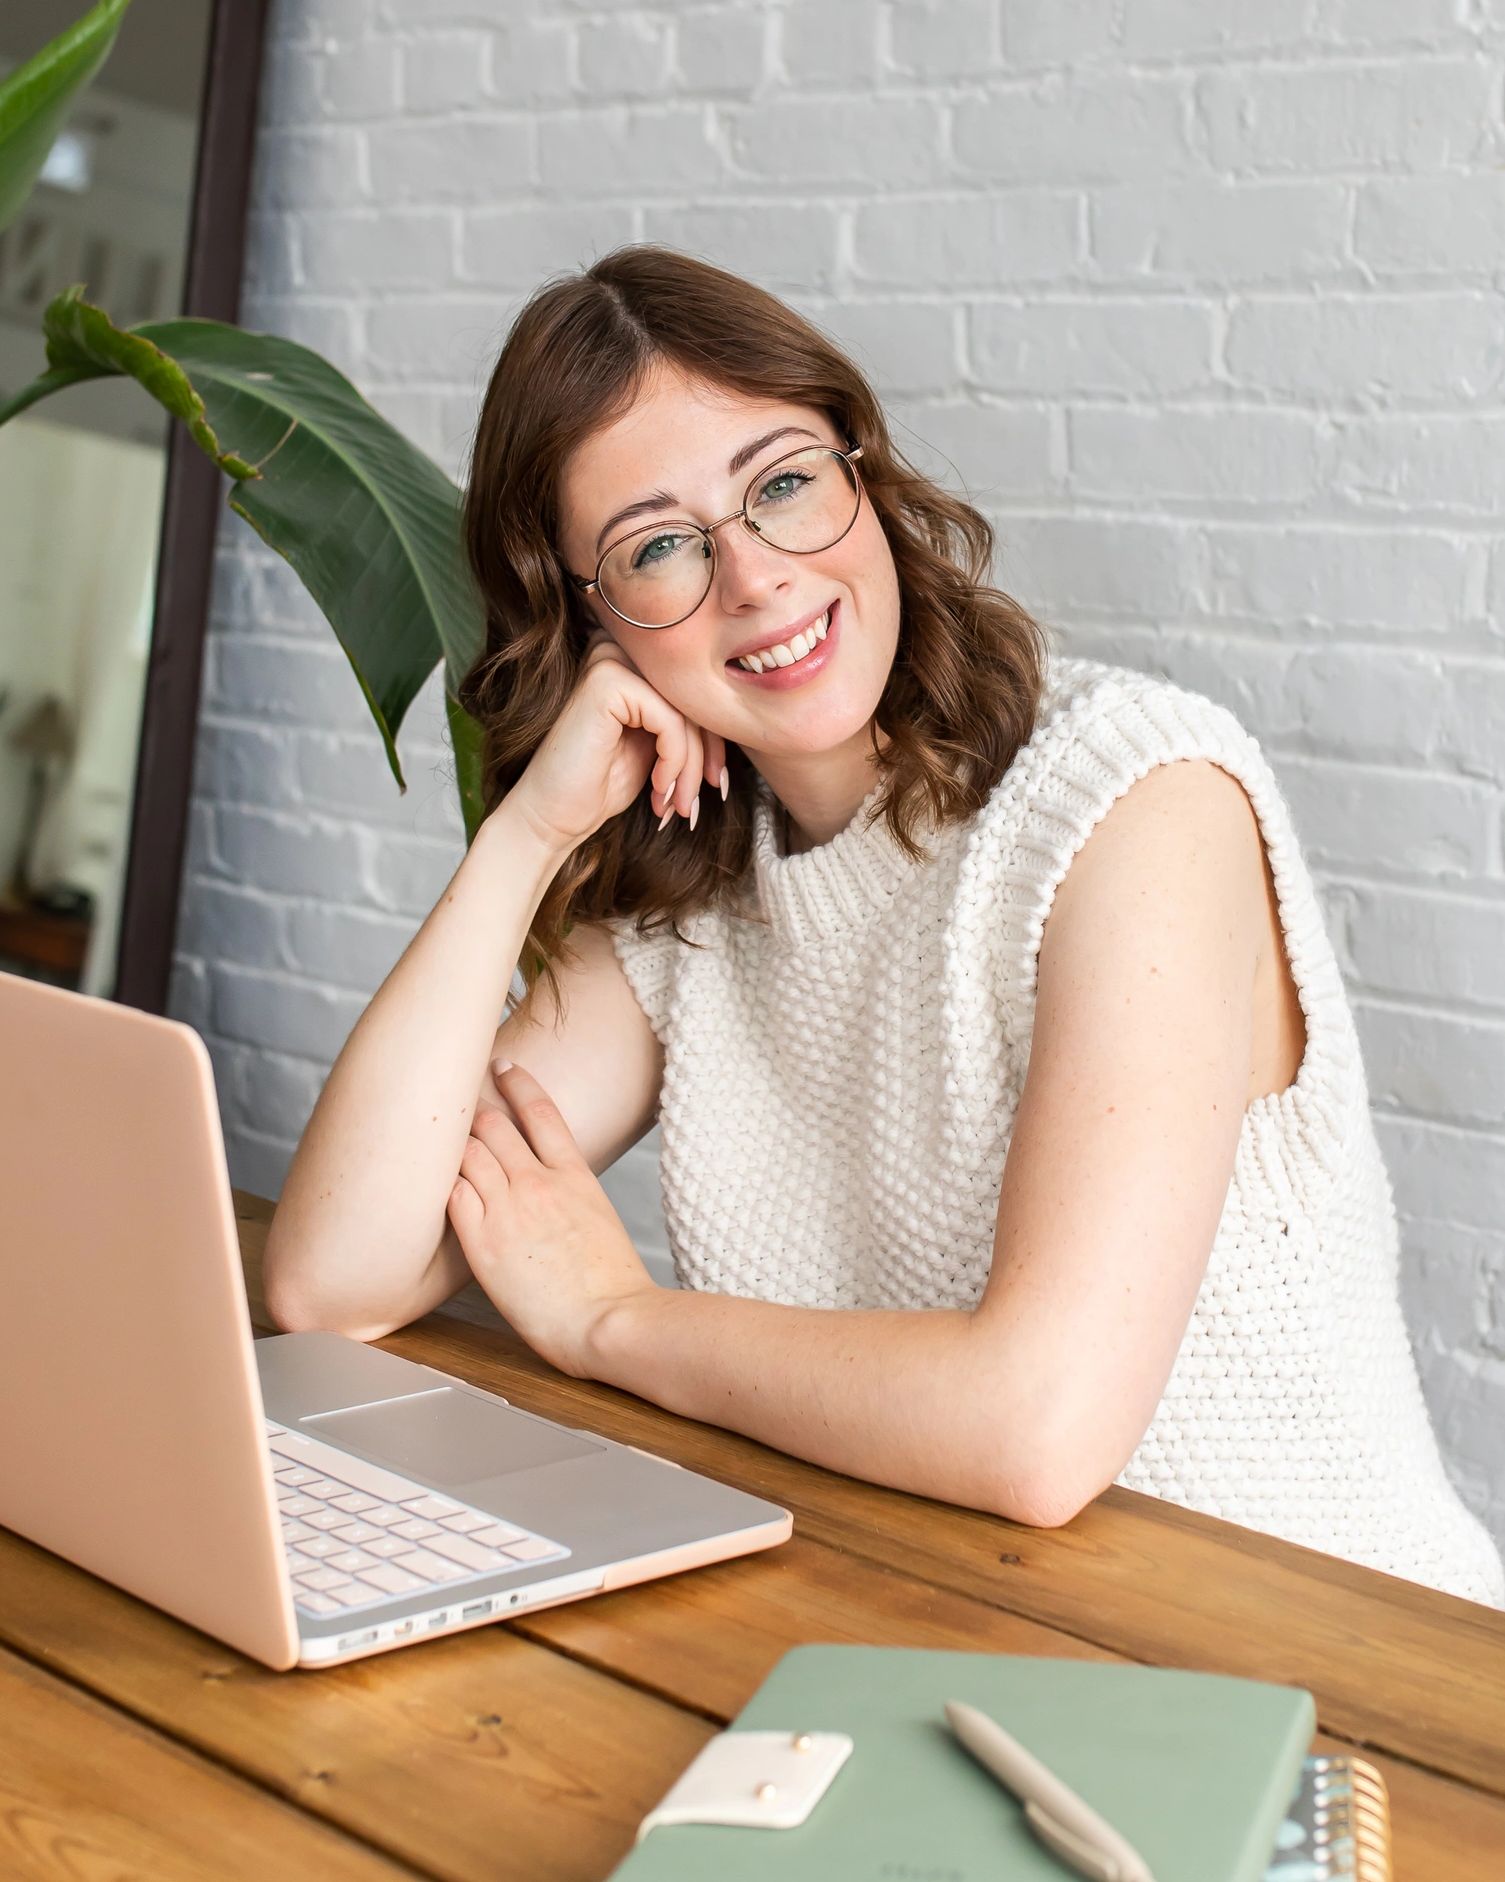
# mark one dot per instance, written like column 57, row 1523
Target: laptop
column 306, row 1498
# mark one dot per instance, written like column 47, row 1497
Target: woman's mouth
column 805, row 667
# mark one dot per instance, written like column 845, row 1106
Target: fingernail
column 694, row 809
column 498, row 1066
column 726, row 784
column 667, row 814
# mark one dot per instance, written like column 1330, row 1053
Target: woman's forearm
column 363, row 1207
column 914, row 1399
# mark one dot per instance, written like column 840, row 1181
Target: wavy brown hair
column 965, row 685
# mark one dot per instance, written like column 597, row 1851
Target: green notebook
column 1195, row 1769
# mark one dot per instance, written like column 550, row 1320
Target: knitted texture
column 839, row 1090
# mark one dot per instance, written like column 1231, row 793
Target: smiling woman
column 654, row 386
column 1015, row 1134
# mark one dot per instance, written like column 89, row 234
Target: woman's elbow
column 1038, row 1505
column 1049, row 1493
column 292, row 1316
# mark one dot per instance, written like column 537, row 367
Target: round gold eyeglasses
column 658, row 575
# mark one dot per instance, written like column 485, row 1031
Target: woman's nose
column 746, row 566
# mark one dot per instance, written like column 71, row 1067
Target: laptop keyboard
column 356, row 1534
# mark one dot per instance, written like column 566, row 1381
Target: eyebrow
column 662, row 500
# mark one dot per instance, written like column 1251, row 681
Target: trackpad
column 449, row 1437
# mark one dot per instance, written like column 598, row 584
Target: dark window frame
column 193, row 501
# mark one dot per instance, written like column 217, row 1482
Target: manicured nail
column 694, row 809
column 667, row 814
column 726, row 784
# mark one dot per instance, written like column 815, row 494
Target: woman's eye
column 785, row 477
column 655, row 542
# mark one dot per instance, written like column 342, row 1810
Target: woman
column 1015, row 1136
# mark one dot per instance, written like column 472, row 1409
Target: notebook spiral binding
column 1338, row 1829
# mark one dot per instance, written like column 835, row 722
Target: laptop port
column 476, row 1607
column 357, row 1640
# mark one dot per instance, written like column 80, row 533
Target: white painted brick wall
column 1200, row 301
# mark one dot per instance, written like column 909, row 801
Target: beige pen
column 1068, row 1826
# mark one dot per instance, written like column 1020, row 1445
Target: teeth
column 788, row 652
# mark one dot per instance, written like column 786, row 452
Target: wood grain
column 86, row 1792
column 465, row 1757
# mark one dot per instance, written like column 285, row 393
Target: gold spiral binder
column 1352, row 1809
column 1370, row 1808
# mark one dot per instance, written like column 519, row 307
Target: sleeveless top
column 838, row 1093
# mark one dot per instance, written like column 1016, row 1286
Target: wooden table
column 131, row 1745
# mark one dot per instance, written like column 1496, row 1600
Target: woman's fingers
column 689, row 779
column 688, row 756
column 715, row 759
column 466, row 1211
column 538, row 1134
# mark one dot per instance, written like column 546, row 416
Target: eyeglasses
column 657, row 576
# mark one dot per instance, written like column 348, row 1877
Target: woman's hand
column 614, row 732
column 538, row 1230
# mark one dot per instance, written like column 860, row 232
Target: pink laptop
column 306, row 1498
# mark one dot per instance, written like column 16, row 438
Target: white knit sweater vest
column 838, row 1095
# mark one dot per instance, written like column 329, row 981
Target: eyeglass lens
column 662, row 573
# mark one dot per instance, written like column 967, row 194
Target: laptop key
column 391, row 1579
column 354, row 1502
column 295, row 1531
column 321, row 1546
column 326, row 1519
column 389, row 1545
column 533, row 1549
column 351, row 1594
column 465, row 1522
column 318, row 1604
column 355, row 1533
column 497, row 1534
column 383, row 1513
column 429, row 1505
column 353, row 1473
column 414, row 1529
column 321, row 1578
column 352, row 1559
column 431, row 1567
column 467, row 1553
column 296, row 1505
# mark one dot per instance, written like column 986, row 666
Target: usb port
column 476, row 1607
column 357, row 1640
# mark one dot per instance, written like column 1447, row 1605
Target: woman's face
column 680, row 438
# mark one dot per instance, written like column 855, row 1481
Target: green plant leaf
column 83, row 343
column 35, row 99
column 465, row 733
column 369, row 523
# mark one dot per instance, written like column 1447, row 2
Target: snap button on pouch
column 753, row 1780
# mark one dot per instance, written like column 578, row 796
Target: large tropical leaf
column 370, row 524
column 35, row 99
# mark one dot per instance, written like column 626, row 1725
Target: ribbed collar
column 836, row 886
